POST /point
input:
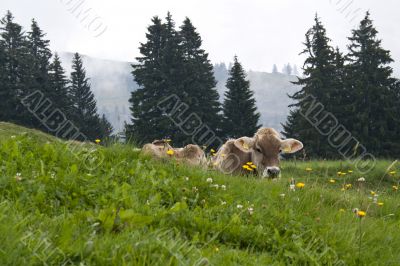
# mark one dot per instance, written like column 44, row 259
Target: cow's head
column 264, row 149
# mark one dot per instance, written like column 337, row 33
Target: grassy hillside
column 132, row 210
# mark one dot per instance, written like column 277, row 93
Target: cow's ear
column 291, row 145
column 244, row 144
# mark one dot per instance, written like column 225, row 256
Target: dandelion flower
column 373, row 193
column 308, row 169
column 209, row 180
column 342, row 210
column 350, row 171
column 170, row 152
column 97, row 141
column 392, row 172
column 380, row 204
column 300, row 185
column 361, row 214
column 395, row 188
column 212, row 150
column 332, row 180
column 348, row 186
column 249, row 163
column 253, row 166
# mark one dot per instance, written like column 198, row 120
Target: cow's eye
column 258, row 150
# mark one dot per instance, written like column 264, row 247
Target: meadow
column 132, row 210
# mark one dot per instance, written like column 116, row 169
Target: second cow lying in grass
column 190, row 154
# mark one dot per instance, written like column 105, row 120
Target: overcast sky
column 260, row 32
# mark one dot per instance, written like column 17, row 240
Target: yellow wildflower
column 361, row 214
column 170, row 152
column 249, row 163
column 380, row 204
column 348, row 186
column 212, row 150
column 395, row 188
column 373, row 193
column 253, row 166
column 341, row 210
column 332, row 180
column 308, row 169
column 97, row 141
column 300, row 185
column 392, row 172
column 350, row 171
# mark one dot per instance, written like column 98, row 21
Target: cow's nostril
column 273, row 171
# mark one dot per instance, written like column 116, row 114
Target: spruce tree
column 106, row 129
column 84, row 110
column 201, row 94
column 58, row 91
column 369, row 80
column 14, row 71
column 274, row 69
column 148, row 121
column 240, row 112
column 320, row 85
column 38, row 73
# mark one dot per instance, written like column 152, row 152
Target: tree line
column 27, row 66
column 348, row 103
column 173, row 63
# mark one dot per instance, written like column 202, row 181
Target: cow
column 190, row 154
column 257, row 154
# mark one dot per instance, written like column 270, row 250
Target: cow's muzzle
column 272, row 172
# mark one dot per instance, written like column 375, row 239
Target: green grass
column 132, row 210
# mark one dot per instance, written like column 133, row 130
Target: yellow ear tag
column 245, row 146
column 287, row 149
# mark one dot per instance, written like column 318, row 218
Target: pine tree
column 84, row 110
column 319, row 84
column 369, row 78
column 148, row 121
column 58, row 91
column 240, row 112
column 106, row 129
column 274, row 69
column 202, row 96
column 38, row 74
column 14, row 71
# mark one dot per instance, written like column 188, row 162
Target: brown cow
column 190, row 154
column 262, row 151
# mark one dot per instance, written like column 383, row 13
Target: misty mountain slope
column 112, row 84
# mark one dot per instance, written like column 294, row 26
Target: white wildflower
column 209, row 180
column 282, row 195
column 223, row 187
column 251, row 210
column 239, row 206
column 361, row 179
column 292, row 187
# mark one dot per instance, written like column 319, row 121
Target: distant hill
column 112, row 84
